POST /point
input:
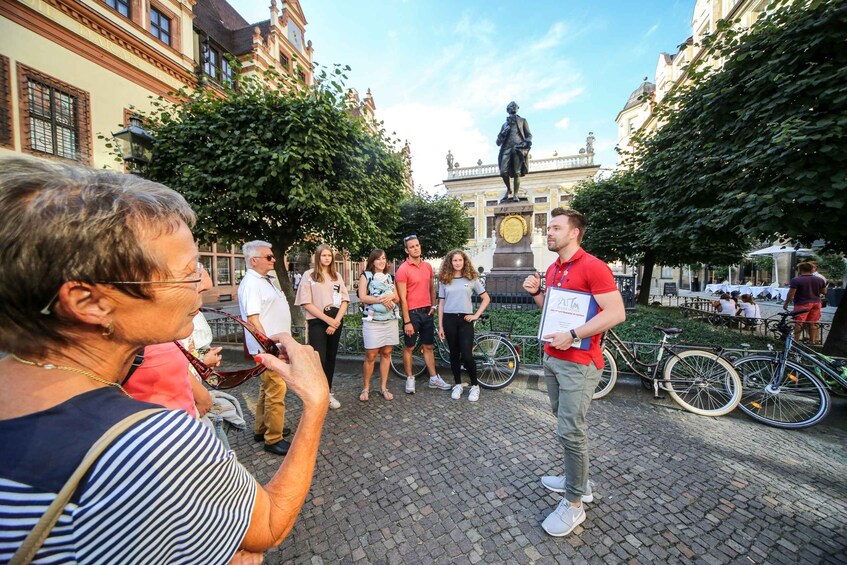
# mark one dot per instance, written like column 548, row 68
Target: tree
column 620, row 227
column 758, row 148
column 278, row 161
column 440, row 222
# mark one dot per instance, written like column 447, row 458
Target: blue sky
column 442, row 72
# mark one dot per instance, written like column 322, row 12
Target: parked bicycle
column 702, row 382
column 497, row 358
column 779, row 391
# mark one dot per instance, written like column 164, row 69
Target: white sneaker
column 457, row 392
column 474, row 394
column 410, row 385
column 437, row 382
column 557, row 484
column 563, row 519
column 333, row 403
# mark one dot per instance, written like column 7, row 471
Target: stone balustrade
column 535, row 165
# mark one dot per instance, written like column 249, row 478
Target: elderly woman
column 96, row 265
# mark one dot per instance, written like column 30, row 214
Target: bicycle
column 702, row 382
column 779, row 391
column 497, row 358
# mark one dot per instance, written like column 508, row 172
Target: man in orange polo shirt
column 416, row 288
column 572, row 374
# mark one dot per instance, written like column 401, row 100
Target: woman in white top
column 379, row 329
column 725, row 306
column 458, row 281
column 324, row 296
column 748, row 307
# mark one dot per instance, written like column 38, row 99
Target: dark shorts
column 424, row 327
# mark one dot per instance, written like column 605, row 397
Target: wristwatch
column 576, row 340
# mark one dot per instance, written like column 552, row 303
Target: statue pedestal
column 513, row 259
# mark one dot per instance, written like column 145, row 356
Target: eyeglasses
column 195, row 278
column 223, row 380
column 408, row 237
column 270, row 257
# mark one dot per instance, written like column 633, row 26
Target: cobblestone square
column 427, row 479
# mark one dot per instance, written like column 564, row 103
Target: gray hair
column 63, row 222
column 251, row 248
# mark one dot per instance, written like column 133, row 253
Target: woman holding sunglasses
column 324, row 296
column 97, row 265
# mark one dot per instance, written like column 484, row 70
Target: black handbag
column 331, row 311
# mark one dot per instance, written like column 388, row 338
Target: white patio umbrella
column 775, row 249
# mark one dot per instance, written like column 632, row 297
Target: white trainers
column 557, row 484
column 437, row 382
column 333, row 403
column 473, row 396
column 563, row 519
column 410, row 385
column 457, row 392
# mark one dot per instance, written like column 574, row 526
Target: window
column 283, row 60
column 211, row 66
column 540, row 221
column 204, row 247
column 540, row 199
column 56, row 117
column 469, row 204
column 301, row 75
column 667, row 272
column 160, row 26
column 471, row 228
column 489, row 226
column 206, row 260
column 491, row 203
column 224, row 271
column 240, row 268
column 120, row 6
column 5, row 103
column 215, row 63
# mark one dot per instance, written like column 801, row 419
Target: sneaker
column 474, row 394
column 437, row 382
column 410, row 385
column 557, row 484
column 457, row 392
column 333, row 403
column 563, row 519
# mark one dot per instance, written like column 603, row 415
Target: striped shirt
column 166, row 490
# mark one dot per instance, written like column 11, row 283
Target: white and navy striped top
column 166, row 491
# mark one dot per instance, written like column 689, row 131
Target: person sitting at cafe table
column 725, row 305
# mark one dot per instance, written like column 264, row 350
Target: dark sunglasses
column 408, row 237
column 270, row 257
column 223, row 380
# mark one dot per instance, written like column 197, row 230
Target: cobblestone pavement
column 427, row 479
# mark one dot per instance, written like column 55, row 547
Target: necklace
column 90, row 375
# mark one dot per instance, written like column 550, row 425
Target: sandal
column 386, row 394
column 364, row 396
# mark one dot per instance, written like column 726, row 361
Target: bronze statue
column 515, row 141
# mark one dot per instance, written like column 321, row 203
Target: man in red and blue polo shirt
column 572, row 374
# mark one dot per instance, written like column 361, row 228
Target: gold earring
column 108, row 330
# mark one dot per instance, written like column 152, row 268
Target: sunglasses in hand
column 223, row 380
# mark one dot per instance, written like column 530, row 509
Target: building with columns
column 549, row 183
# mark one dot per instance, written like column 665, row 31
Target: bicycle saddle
column 668, row 331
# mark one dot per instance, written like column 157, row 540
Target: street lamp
column 134, row 143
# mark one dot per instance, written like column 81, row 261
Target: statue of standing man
column 515, row 141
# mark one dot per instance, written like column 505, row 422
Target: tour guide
column 573, row 374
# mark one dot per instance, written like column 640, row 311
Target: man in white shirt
column 264, row 305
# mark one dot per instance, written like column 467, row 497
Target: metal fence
column 702, row 309
column 507, row 293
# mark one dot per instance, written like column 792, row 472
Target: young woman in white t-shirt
column 457, row 282
column 749, row 307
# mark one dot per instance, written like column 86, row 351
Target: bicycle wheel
column 497, row 361
column 702, row 382
column 609, row 376
column 418, row 365
column 801, row 399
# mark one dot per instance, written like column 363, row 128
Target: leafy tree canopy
column 439, row 222
column 757, row 148
column 278, row 161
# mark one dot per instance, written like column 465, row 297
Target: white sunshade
column 786, row 248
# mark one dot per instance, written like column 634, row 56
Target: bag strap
column 33, row 542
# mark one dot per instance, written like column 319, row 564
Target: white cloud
column 563, row 123
column 558, row 98
column 554, row 36
column 652, row 30
column 431, row 131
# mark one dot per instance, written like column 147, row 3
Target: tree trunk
column 649, row 262
column 836, row 341
column 281, row 268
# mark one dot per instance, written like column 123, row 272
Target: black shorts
column 424, row 327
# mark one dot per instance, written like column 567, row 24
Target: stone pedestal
column 513, row 259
